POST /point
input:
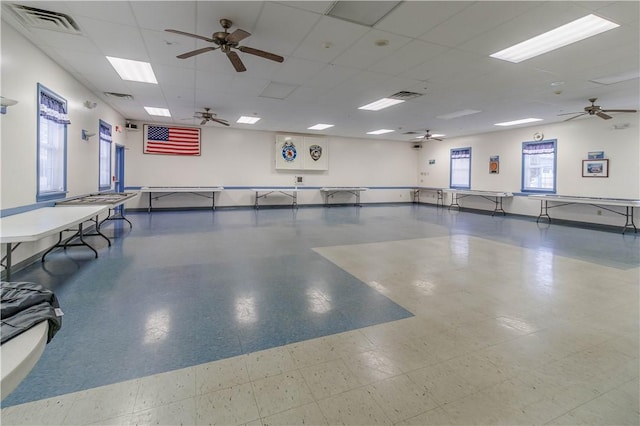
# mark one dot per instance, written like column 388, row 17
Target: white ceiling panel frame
column 413, row 18
column 207, row 80
column 412, row 54
column 121, row 41
column 475, row 20
column 320, row 7
column 159, row 15
column 163, row 47
column 118, row 12
column 280, row 29
column 328, row 39
column 243, row 15
column 331, row 76
column 175, row 76
column 298, row 71
column 537, row 21
column 365, row 52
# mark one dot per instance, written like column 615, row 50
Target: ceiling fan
column 207, row 116
column 226, row 41
column 426, row 137
column 594, row 109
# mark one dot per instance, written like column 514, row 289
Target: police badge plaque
column 315, row 151
column 289, row 152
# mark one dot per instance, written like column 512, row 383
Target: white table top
column 109, row 199
column 276, row 189
column 342, row 188
column 181, row 188
column 20, row 354
column 587, row 200
column 485, row 193
column 36, row 224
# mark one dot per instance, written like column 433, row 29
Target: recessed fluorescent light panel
column 248, row 120
column 516, row 122
column 458, row 114
column 564, row 35
column 133, row 70
column 162, row 112
column 320, row 126
column 381, row 104
column 379, row 132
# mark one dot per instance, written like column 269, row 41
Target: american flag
column 171, row 140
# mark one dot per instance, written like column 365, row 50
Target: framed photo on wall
column 595, row 168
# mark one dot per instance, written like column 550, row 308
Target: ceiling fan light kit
column 226, row 41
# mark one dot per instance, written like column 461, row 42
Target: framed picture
column 595, row 155
column 595, row 168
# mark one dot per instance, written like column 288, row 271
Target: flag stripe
column 171, row 140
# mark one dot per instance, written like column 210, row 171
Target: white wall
column 23, row 67
column 574, row 140
column 232, row 157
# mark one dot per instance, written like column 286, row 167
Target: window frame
column 451, row 185
column 104, row 186
column 50, row 195
column 555, row 168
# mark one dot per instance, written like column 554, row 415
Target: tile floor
column 512, row 324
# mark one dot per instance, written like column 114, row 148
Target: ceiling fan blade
column 195, row 52
column 619, row 110
column 236, row 61
column 579, row 115
column 210, row 40
column 436, row 139
column 569, row 113
column 221, row 121
column 261, row 53
column 237, row 36
column 603, row 115
column 203, row 122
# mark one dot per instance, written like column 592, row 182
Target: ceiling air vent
column 405, row 96
column 121, row 96
column 45, row 19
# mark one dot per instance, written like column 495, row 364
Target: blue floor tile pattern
column 185, row 288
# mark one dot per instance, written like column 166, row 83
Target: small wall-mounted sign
column 494, row 164
column 432, row 161
column 595, row 155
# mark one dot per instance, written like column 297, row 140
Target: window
column 539, row 166
column 104, row 166
column 52, row 145
column 460, row 168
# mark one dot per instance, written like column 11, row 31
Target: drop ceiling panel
column 158, row 15
column 298, row 71
column 412, row 54
column 85, row 63
column 627, row 12
column 331, row 76
column 475, row 20
column 112, row 11
column 328, row 39
column 175, row 76
column 413, row 18
column 116, row 40
column 243, row 14
column 163, row 47
column 206, row 80
column 365, row 52
column 320, row 7
column 46, row 38
column 280, row 29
